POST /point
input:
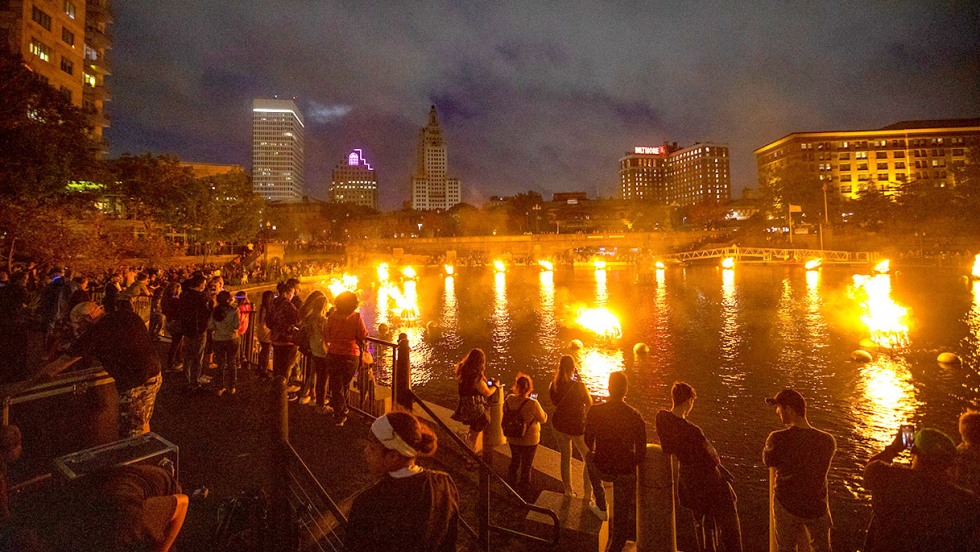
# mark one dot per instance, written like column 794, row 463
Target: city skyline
column 530, row 97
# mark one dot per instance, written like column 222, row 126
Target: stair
column 580, row 528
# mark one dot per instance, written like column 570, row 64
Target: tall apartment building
column 278, row 167
column 354, row 181
column 848, row 162
column 668, row 175
column 431, row 186
column 65, row 43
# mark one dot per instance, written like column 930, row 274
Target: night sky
column 532, row 95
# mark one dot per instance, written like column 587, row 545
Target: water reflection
column 601, row 290
column 450, row 314
column 548, row 321
column 501, row 316
column 595, row 365
column 731, row 336
column 886, row 386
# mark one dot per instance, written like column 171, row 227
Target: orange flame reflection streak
column 449, row 269
column 499, row 266
column 599, row 264
column 595, row 364
column 886, row 319
column 813, row 264
column 599, row 321
column 976, row 267
column 889, row 399
column 546, row 266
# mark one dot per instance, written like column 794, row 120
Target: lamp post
column 537, row 216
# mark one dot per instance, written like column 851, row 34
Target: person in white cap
column 411, row 508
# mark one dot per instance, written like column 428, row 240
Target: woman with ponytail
column 411, row 508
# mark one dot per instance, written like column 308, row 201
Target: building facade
column 278, row 163
column 64, row 42
column 850, row 162
column 432, row 187
column 354, row 181
column 668, row 175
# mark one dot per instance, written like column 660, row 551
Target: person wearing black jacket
column 616, row 436
column 194, row 309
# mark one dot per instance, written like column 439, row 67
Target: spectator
column 410, row 509
column 967, row 468
column 572, row 400
column 195, row 310
column 344, row 333
column 170, row 308
column 282, row 321
column 224, row 323
column 704, row 485
column 801, row 456
column 315, row 322
column 111, row 292
column 616, row 436
column 523, row 447
column 473, row 388
column 262, row 334
column 920, row 508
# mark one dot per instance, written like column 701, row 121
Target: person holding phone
column 919, row 507
column 572, row 400
column 473, row 387
column 524, row 403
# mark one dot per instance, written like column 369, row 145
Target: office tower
column 64, row 42
column 668, row 175
column 278, row 170
column 848, row 162
column 432, row 187
column 354, row 181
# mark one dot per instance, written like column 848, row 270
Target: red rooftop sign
column 658, row 150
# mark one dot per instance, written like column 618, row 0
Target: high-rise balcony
column 98, row 64
column 97, row 39
column 98, row 10
column 95, row 93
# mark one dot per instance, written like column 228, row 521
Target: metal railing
column 774, row 254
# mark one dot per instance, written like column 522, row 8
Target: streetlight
column 420, row 229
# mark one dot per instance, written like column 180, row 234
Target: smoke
column 325, row 114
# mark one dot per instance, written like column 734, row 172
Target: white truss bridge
column 774, row 255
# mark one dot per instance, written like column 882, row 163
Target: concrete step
column 580, row 527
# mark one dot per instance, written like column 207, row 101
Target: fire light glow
column 405, row 300
column 728, row 263
column 976, row 267
column 409, row 273
column 884, row 267
column 660, row 265
column 449, row 269
column 886, row 319
column 383, row 273
column 599, row 321
column 813, row 264
column 599, row 264
column 499, row 266
column 347, row 282
column 546, row 266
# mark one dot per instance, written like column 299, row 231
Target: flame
column 884, row 267
column 976, row 266
column 405, row 301
column 383, row 274
column 599, row 264
column 599, row 321
column 660, row 265
column 728, row 263
column 347, row 282
column 546, row 266
column 499, row 266
column 813, row 264
column 409, row 272
column 449, row 269
column 886, row 319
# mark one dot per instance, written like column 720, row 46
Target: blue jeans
column 193, row 357
column 623, row 522
column 341, row 370
column 226, row 357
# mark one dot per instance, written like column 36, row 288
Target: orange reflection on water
column 731, row 337
column 549, row 323
column 595, row 364
column 500, row 316
column 889, row 397
column 601, row 290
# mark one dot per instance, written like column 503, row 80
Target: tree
column 792, row 184
column 223, row 208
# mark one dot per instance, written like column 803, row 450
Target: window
column 882, row 177
column 958, row 151
column 861, row 155
column 882, row 166
column 67, row 37
column 845, row 178
column 66, row 92
column 900, row 165
column 70, row 9
column 845, row 189
column 845, row 166
column 89, row 80
column 845, row 155
column 864, row 177
column 41, row 18
column 898, row 154
column 881, row 155
column 862, row 166
column 67, row 66
column 40, row 50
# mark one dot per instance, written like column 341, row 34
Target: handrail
column 556, row 525
column 331, row 505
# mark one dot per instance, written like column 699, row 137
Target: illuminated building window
column 41, row 50
column 70, row 9
column 41, row 18
column 67, row 37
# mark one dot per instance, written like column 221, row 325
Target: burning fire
column 405, row 302
column 409, row 273
column 813, row 264
column 599, row 264
column 976, row 267
column 449, row 269
column 728, row 263
column 884, row 267
column 886, row 319
column 546, row 266
column 383, row 274
column 599, row 321
column 347, row 282
column 660, row 265
column 499, row 266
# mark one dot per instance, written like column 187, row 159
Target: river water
column 737, row 336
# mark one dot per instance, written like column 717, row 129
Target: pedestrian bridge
column 774, row 255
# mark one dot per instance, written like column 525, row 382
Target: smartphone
column 908, row 436
column 534, row 396
column 489, row 383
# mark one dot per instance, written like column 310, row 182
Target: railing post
column 655, row 524
column 493, row 435
column 283, row 529
column 483, row 506
column 402, row 380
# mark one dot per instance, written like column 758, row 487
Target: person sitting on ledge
column 410, row 509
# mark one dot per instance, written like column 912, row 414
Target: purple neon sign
column 356, row 158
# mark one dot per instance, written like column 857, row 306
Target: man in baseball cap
column 801, row 456
column 919, row 507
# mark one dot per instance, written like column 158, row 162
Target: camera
column 908, row 436
column 534, row 396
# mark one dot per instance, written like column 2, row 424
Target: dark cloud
column 535, row 95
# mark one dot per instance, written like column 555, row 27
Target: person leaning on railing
column 411, row 509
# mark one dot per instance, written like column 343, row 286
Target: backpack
column 513, row 422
